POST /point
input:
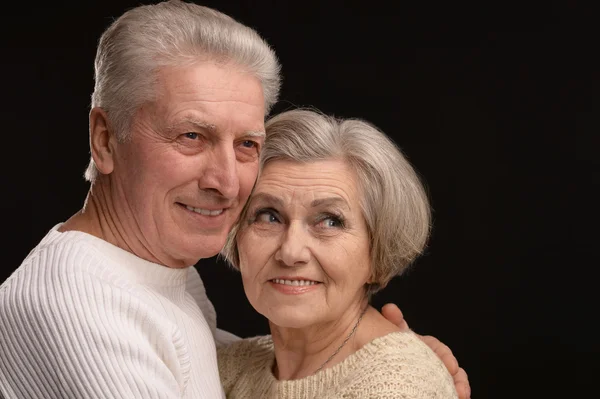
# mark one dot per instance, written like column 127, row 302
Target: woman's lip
column 295, row 279
column 294, row 289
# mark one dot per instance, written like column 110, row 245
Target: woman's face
column 304, row 245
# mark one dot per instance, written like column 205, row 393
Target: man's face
column 184, row 175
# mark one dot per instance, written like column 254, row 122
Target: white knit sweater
column 397, row 365
column 81, row 318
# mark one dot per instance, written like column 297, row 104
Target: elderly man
column 107, row 305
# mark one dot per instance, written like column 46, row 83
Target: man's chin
column 207, row 247
column 187, row 248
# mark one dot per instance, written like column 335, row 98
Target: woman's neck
column 300, row 352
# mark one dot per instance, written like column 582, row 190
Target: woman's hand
column 461, row 381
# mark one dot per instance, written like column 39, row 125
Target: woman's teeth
column 294, row 282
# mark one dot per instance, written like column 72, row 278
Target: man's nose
column 221, row 172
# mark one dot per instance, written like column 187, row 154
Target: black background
column 488, row 101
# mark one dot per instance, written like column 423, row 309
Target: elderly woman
column 336, row 213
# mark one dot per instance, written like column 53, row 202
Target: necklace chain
column 345, row 341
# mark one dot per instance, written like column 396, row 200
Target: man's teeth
column 205, row 211
column 294, row 282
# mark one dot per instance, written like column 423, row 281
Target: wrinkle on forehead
column 210, row 97
column 226, row 83
column 309, row 182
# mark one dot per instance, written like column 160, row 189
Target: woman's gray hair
column 171, row 33
column 394, row 202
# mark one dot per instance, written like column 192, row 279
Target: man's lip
column 208, row 208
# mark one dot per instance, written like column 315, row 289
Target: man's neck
column 99, row 218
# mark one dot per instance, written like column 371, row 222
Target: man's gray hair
column 171, row 33
column 394, row 202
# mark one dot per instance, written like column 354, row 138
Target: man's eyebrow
column 255, row 133
column 202, row 125
column 330, row 201
column 197, row 123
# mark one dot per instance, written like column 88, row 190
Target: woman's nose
column 293, row 249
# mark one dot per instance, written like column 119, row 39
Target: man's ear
column 102, row 140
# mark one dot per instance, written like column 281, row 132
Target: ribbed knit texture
column 81, row 318
column 398, row 365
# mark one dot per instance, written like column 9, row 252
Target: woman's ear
column 371, row 279
column 101, row 141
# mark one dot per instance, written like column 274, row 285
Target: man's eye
column 249, row 144
column 192, row 136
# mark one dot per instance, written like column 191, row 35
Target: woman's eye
column 331, row 221
column 266, row 216
column 192, row 136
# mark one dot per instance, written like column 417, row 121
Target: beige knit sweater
column 397, row 365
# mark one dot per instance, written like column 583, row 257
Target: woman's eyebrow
column 266, row 198
column 339, row 201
